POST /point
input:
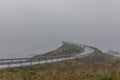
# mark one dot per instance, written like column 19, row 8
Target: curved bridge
column 19, row 62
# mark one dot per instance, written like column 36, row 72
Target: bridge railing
column 41, row 59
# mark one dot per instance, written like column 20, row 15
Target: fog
column 30, row 27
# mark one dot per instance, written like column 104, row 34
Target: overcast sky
column 30, row 27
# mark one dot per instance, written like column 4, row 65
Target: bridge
column 19, row 62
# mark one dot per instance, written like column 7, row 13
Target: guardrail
column 40, row 60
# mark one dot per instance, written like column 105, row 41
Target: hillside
column 91, row 64
column 66, row 48
column 114, row 53
column 89, row 53
column 97, row 56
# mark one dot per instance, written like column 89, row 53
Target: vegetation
column 97, row 56
column 62, row 50
column 66, row 70
column 96, row 66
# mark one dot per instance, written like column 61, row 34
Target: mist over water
column 29, row 27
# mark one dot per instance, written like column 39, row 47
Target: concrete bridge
column 19, row 62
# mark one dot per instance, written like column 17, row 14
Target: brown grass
column 65, row 70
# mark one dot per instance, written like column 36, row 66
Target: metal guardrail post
column 30, row 61
column 8, row 64
column 21, row 63
column 46, row 60
column 39, row 60
column 57, row 59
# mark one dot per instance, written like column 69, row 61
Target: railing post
column 8, row 64
column 20, row 63
column 52, row 59
column 57, row 59
column 11, row 60
column 31, row 61
column 39, row 60
column 46, row 60
column 62, row 58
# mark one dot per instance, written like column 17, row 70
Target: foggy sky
column 30, row 27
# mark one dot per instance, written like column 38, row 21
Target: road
column 18, row 62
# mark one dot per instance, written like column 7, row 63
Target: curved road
column 87, row 50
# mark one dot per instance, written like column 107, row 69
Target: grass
column 66, row 70
column 61, row 52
